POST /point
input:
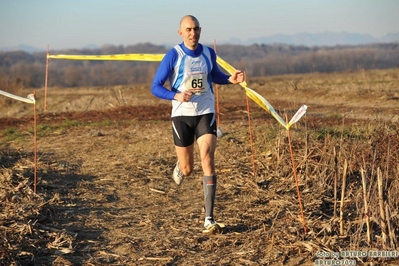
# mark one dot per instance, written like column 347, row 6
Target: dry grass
column 105, row 196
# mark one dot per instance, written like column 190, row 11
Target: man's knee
column 186, row 169
column 207, row 159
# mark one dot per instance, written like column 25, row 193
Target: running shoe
column 211, row 226
column 178, row 176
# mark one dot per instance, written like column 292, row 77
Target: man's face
column 190, row 31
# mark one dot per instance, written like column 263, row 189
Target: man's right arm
column 158, row 88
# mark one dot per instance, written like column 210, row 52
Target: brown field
column 105, row 157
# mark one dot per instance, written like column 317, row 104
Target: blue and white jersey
column 195, row 71
column 193, row 74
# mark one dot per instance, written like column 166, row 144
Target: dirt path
column 105, row 197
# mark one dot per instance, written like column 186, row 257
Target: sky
column 73, row 24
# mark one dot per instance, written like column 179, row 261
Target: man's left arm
column 219, row 77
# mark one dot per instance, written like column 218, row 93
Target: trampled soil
column 105, row 196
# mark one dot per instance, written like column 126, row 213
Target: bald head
column 190, row 31
column 189, row 18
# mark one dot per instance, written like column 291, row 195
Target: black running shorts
column 188, row 128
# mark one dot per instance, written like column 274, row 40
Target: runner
column 191, row 68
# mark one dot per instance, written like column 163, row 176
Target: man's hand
column 237, row 77
column 184, row 96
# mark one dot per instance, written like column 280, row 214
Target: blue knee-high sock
column 209, row 184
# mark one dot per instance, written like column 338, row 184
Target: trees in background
column 28, row 70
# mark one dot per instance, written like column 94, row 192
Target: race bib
column 196, row 84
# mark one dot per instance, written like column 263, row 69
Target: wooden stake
column 250, row 136
column 335, row 183
column 296, row 182
column 46, row 82
column 382, row 209
column 392, row 237
column 341, row 208
column 366, row 208
column 217, row 95
column 34, row 143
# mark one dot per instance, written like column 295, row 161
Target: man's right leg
column 185, row 157
column 183, row 136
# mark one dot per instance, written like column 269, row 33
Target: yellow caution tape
column 124, row 57
column 256, row 97
column 29, row 99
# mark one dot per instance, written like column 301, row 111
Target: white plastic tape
column 29, row 99
column 298, row 115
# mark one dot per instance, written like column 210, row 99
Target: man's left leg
column 207, row 146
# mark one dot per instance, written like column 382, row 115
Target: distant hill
column 300, row 39
column 317, row 39
column 22, row 47
column 27, row 70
